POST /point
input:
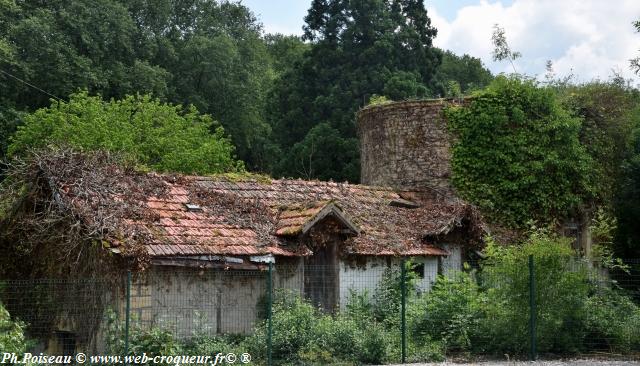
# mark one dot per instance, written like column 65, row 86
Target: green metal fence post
column 269, row 314
column 403, row 297
column 127, row 315
column 532, row 310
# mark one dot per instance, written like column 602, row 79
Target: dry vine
column 233, row 210
column 59, row 210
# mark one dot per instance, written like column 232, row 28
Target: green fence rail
column 360, row 313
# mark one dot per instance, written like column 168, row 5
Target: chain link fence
column 356, row 313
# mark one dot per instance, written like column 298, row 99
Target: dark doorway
column 321, row 276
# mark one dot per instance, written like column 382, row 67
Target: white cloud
column 282, row 28
column 586, row 37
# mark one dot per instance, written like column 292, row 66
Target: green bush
column 450, row 312
column 574, row 313
column 381, row 331
column 159, row 136
column 12, row 339
column 612, row 322
column 302, row 334
column 294, row 327
column 155, row 341
column 387, row 296
column 562, row 289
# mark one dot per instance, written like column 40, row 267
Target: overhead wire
column 30, row 85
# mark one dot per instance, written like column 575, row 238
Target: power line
column 31, row 85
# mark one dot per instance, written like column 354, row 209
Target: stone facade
column 406, row 145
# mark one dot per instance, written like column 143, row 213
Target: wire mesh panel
column 602, row 314
column 191, row 302
column 59, row 315
column 550, row 306
column 347, row 311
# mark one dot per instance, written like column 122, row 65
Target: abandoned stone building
column 199, row 246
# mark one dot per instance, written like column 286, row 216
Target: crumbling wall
column 406, row 145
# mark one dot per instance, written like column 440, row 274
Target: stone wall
column 406, row 145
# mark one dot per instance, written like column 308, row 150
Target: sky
column 589, row 39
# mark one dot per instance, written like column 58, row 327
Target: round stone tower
column 406, row 145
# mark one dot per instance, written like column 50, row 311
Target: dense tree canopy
column 314, row 157
column 357, row 49
column 206, row 53
column 157, row 135
column 267, row 91
column 466, row 71
column 609, row 112
column 285, row 51
column 287, row 104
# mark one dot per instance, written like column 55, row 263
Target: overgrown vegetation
column 287, row 103
column 12, row 338
column 518, row 154
column 207, row 53
column 57, row 237
column 480, row 311
column 268, row 91
column 552, row 152
column 487, row 312
column 450, row 313
column 156, row 135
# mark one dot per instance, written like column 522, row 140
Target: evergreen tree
column 358, row 49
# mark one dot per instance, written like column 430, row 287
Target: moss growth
column 244, row 176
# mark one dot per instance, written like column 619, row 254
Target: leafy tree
column 63, row 46
column 404, row 85
column 217, row 61
column 206, row 53
column 502, row 51
column 518, row 154
column 314, row 157
column 285, row 51
column 357, row 49
column 468, row 72
column 635, row 62
column 57, row 48
column 609, row 111
column 161, row 136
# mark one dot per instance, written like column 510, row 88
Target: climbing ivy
column 517, row 153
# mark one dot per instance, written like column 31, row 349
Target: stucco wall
column 367, row 277
column 188, row 301
column 191, row 300
column 405, row 145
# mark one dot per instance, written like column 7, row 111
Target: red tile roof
column 255, row 218
column 385, row 230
